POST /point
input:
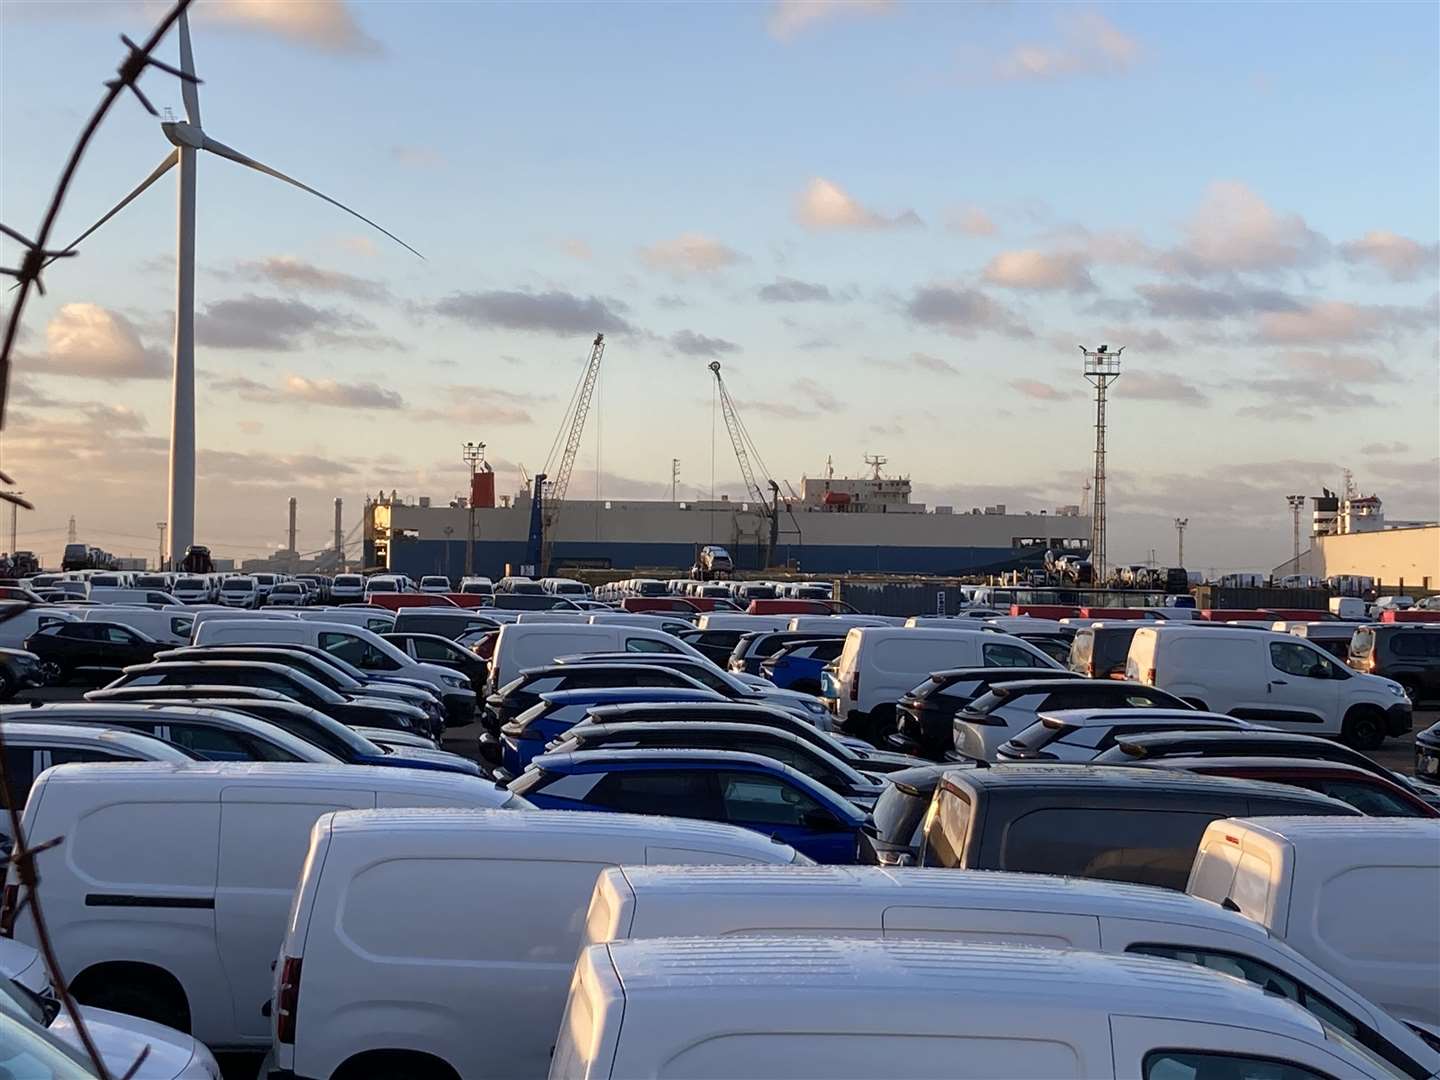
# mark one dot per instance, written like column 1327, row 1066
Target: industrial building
column 1349, row 537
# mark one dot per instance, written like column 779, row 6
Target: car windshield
column 381, row 586
column 237, row 586
column 899, row 812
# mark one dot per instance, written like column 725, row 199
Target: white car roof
column 1106, row 717
column 1369, row 831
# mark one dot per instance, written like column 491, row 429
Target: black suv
column 1409, row 654
column 925, row 714
column 68, row 647
column 1095, row 821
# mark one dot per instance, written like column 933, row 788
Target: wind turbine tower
column 188, row 139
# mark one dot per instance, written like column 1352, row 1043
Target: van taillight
column 9, row 909
column 855, row 685
column 288, row 1000
column 1150, row 677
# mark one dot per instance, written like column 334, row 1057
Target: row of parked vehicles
column 624, row 714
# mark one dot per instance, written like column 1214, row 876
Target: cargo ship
column 833, row 525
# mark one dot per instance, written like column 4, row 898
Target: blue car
column 525, row 736
column 799, row 665
column 748, row 790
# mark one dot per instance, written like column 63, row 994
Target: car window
column 213, row 744
column 678, row 793
column 754, row 798
column 20, row 771
column 1196, row 1065
column 1370, row 799
column 1000, row 655
column 647, row 645
column 119, row 635
column 74, row 755
column 346, row 646
column 1298, row 660
column 425, row 649
column 1151, row 848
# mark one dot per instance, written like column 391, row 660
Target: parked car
column 1427, row 753
column 288, row 594
column 381, row 724
column 983, row 726
column 1108, row 822
column 714, row 645
column 31, row 747
column 555, row 713
column 356, row 988
column 524, row 691
column 182, row 928
column 1370, row 793
column 799, row 665
column 712, row 785
column 447, row 622
column 754, row 648
column 174, row 625
column 761, row 1006
column 1311, row 884
column 858, row 754
column 97, row 649
column 1407, row 653
column 18, row 621
column 880, row 663
column 800, row 754
column 1099, row 651
column 193, row 590
column 1274, row 679
column 210, row 733
column 347, row 589
column 926, row 713
column 240, row 592
column 1160, row 745
column 996, row 908
column 477, row 586
column 443, row 652
column 434, row 583
column 896, row 832
column 1077, row 735
column 528, row 645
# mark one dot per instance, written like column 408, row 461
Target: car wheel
column 7, row 685
column 52, row 673
column 1364, row 729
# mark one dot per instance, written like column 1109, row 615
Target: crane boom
column 580, row 409
column 737, row 437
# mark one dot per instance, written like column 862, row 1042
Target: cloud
column 817, row 393
column 1042, row 391
column 363, row 395
column 1183, row 301
column 1333, row 365
column 1159, row 386
column 972, row 221
column 561, row 313
column 963, row 312
column 1302, row 398
column 1090, row 45
column 1145, row 341
column 918, row 361
column 1040, row 271
column 577, row 248
column 328, row 25
column 295, row 273
column 789, row 18
column 1385, row 448
column 785, row 290
column 1235, row 230
column 418, row 157
column 1327, row 322
column 1400, row 257
column 825, row 205
column 274, row 325
column 112, row 418
column 482, row 405
column 693, row 344
column 94, row 342
column 689, row 253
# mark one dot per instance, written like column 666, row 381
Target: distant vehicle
column 347, row 589
column 434, row 583
column 1100, row 651
column 193, row 590
column 241, row 592
column 75, row 557
column 288, row 594
column 1409, row 654
column 100, row 648
column 197, row 560
column 714, row 562
column 519, row 586
column 477, row 586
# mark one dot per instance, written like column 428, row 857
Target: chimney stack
column 339, row 532
column 292, row 523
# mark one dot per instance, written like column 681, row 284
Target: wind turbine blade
column 189, row 91
column 224, row 151
column 160, row 170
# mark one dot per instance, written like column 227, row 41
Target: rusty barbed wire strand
column 37, row 257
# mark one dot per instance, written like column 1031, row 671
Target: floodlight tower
column 1180, row 524
column 1102, row 367
column 473, row 454
column 1297, row 504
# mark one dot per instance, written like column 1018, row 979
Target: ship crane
column 549, row 495
column 744, row 449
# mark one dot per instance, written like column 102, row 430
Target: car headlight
column 450, row 680
column 813, row 706
column 1396, row 689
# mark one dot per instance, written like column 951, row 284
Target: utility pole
column 1102, row 367
column 14, row 524
column 160, row 559
column 1180, row 524
column 473, row 453
column 1297, row 504
column 674, row 477
column 71, row 534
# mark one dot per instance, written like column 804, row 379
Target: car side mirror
column 821, row 820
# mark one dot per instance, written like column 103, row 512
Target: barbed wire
column 37, row 256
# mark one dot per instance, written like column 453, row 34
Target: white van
column 174, row 625
column 15, row 629
column 527, row 645
column 879, row 664
column 168, row 898
column 1349, row 608
column 1360, row 897
column 479, row 980
column 738, row 620
column 358, row 646
column 132, row 596
column 843, row 1009
column 834, row 624
column 994, row 907
column 239, row 591
column 1278, row 680
column 376, row 620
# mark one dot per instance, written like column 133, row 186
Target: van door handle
column 1278, row 682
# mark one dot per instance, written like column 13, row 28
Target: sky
column 891, row 222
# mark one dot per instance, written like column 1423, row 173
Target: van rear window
column 946, row 827
column 1362, row 643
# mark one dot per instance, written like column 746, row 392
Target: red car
column 394, row 601
column 1368, row 792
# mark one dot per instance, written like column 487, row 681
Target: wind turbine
column 188, row 139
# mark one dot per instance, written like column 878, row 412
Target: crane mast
column 738, row 436
column 554, row 495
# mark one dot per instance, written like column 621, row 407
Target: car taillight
column 288, row 1000
column 855, row 685
column 1150, row 677
column 9, row 909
